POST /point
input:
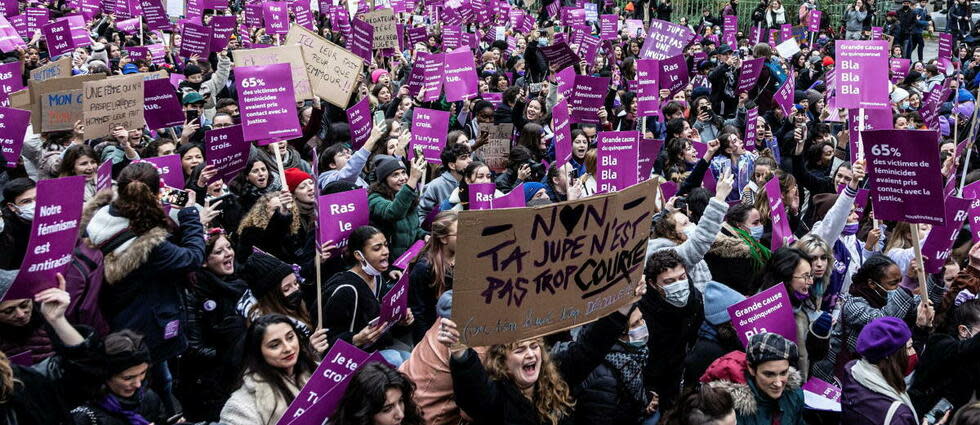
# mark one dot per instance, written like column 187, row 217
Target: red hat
column 295, row 176
column 827, row 60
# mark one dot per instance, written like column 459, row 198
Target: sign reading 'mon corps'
column 534, row 271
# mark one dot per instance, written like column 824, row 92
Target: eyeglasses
column 807, row 276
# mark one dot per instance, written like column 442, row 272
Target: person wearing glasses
column 793, row 268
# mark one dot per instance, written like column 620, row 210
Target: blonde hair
column 441, row 225
column 262, row 212
column 552, row 398
column 809, row 244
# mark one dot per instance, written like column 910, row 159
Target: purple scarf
column 111, row 404
column 841, row 261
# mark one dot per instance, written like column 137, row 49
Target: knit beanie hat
column 767, row 347
column 295, row 176
column 376, row 75
column 882, row 337
column 384, row 165
column 6, row 280
column 530, row 188
column 264, row 273
column 444, row 307
column 717, row 299
column 192, row 69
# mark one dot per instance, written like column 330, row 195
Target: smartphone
column 535, row 88
column 938, row 411
column 379, row 117
column 214, row 199
column 419, row 153
column 192, row 114
column 175, row 197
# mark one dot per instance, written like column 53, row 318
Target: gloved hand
column 821, row 325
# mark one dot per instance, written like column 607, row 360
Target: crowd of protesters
column 208, row 312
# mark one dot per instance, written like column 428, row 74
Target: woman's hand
column 725, row 183
column 408, row 319
column 448, row 334
column 326, row 250
column 54, row 301
column 189, row 128
column 191, row 199
column 282, row 202
column 873, row 237
column 418, row 167
column 924, row 314
column 523, row 172
column 367, row 336
column 209, row 212
column 319, row 341
column 207, row 173
column 859, row 174
column 713, row 146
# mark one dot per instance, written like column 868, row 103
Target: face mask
column 850, row 229
column 295, row 299
column 757, row 231
column 887, row 291
column 913, row 361
column 368, row 268
column 689, row 229
column 26, row 211
column 800, row 296
column 676, row 293
column 639, row 336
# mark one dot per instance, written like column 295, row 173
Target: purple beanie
column 882, row 338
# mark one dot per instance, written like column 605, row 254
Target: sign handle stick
column 319, row 292
column 860, row 144
column 918, row 258
column 141, row 30
column 282, row 170
column 969, row 150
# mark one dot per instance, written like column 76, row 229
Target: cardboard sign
column 497, row 149
column 862, row 74
column 161, row 107
column 332, row 71
column 226, row 150
column 767, row 311
column 904, row 171
column 13, row 128
column 616, row 160
column 115, row 101
column 340, row 214
column 56, row 69
column 267, row 102
column 665, row 39
column 429, row 129
column 383, row 22
column 291, row 55
column 54, row 230
column 938, row 245
column 534, row 271
column 359, row 122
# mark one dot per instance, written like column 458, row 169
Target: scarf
column 842, row 260
column 629, row 363
column 758, row 252
column 870, row 377
column 112, row 405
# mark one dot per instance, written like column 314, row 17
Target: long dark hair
column 780, row 269
column 701, row 406
column 366, row 396
column 464, row 187
column 240, row 182
column 255, row 362
column 72, row 155
column 138, row 185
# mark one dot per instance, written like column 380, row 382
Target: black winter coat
column 148, row 405
column 500, row 402
column 673, row 330
column 948, row 368
column 605, row 398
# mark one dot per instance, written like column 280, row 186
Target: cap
column 192, row 97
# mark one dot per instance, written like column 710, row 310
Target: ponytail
column 137, row 200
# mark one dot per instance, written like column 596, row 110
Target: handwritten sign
column 767, row 311
column 332, row 70
column 533, row 271
column 383, row 22
column 497, row 149
column 115, row 101
column 56, row 69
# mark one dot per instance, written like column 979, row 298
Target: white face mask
column 366, row 266
column 676, row 293
column 639, row 335
column 689, row 229
column 26, row 211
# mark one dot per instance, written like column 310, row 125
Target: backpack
column 83, row 281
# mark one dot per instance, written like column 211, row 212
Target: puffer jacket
column 143, row 275
column 614, row 393
column 397, row 218
column 692, row 250
column 752, row 406
column 673, row 331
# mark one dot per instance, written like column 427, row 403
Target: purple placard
column 821, row 388
column 341, row 213
column 276, row 17
column 58, row 38
column 874, row 119
column 647, row 152
column 975, row 220
column 730, row 28
column 767, row 311
column 813, row 20
column 945, row 46
column 8, row 7
column 79, row 32
column 171, row 173
column 513, row 199
column 751, row 120
column 781, row 233
column 227, row 151
column 55, row 227
column 972, row 190
column 673, row 74
column 589, row 48
column 195, row 40
column 267, row 102
column 341, row 361
column 608, row 27
column 394, row 303
column 10, row 40
column 433, row 74
column 160, row 105
column 785, row 32
column 36, row 17
column 361, row 40
column 938, row 245
column 565, row 80
column 589, row 94
column 665, row 39
column 13, row 123
column 409, row 255
column 616, row 158
column 302, row 14
column 103, row 178
column 23, row 359
column 899, row 68
column 559, row 55
column 461, row 81
column 450, row 36
column 359, row 122
column 862, row 76
column 253, row 15
column 416, row 35
column 749, row 74
column 155, row 15
column 221, row 29
column 903, row 168
column 129, row 26
column 784, row 96
column 563, row 133
column 668, row 190
column 10, row 81
column 429, row 128
column 481, row 195
column 648, row 93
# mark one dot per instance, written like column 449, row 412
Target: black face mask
column 295, row 299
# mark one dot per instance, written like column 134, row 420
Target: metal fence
column 692, row 10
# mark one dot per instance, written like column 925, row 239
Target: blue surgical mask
column 757, row 231
column 676, row 293
column 639, row 336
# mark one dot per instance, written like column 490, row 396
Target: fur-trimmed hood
column 100, row 226
column 728, row 246
column 730, row 372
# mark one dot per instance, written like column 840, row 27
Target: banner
column 332, row 70
column 267, row 102
column 767, row 311
column 563, row 134
column 665, row 39
column 161, row 108
column 360, row 122
column 55, row 227
column 13, row 128
column 429, row 129
column 114, row 101
column 497, row 149
column 534, row 271
column 616, row 160
column 291, row 55
column 227, row 151
column 903, row 169
column 461, row 81
column 938, row 245
column 862, row 74
column 340, row 213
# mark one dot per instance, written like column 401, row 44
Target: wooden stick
column 319, row 292
column 282, row 169
column 924, row 293
column 969, row 150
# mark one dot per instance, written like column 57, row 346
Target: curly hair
column 666, row 228
column 138, row 184
column 7, row 379
column 552, row 397
column 366, row 396
column 262, row 212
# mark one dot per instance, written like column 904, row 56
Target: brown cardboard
column 385, row 33
column 497, row 149
column 53, row 96
column 332, row 70
column 116, row 101
column 58, row 69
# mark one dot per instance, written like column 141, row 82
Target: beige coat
column 256, row 403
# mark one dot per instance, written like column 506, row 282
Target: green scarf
column 759, row 252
